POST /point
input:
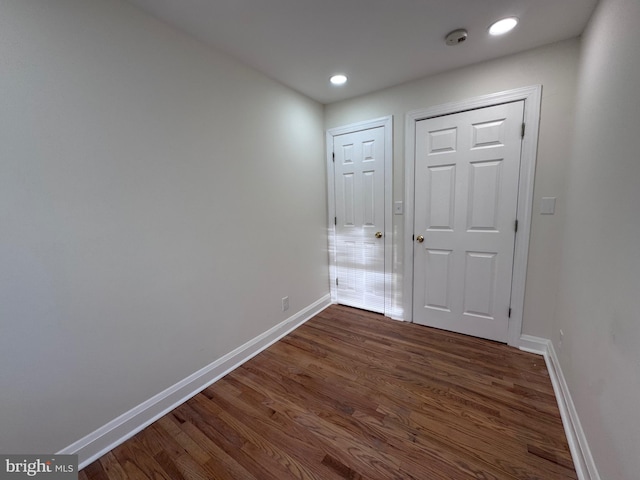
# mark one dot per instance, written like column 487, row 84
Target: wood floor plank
column 366, row 459
column 445, row 400
column 353, row 395
column 307, row 453
column 498, row 363
column 298, row 433
column 479, row 438
column 470, row 378
column 137, row 463
column 224, row 466
column 229, row 441
column 112, row 468
column 245, row 423
column 493, row 399
column 95, row 471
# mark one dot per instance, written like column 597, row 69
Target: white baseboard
column 112, row 434
column 580, row 452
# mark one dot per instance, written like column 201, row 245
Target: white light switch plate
column 398, row 208
column 548, row 205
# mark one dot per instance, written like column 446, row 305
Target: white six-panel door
column 466, row 189
column 359, row 200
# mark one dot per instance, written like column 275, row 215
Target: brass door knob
column 378, row 234
column 420, row 239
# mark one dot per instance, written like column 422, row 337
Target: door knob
column 378, row 234
column 420, row 239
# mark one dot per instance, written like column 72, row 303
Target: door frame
column 387, row 123
column 532, row 97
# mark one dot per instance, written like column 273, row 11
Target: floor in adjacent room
column 351, row 394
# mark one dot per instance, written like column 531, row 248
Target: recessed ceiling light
column 338, row 79
column 503, row 26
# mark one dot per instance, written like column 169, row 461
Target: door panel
column 359, row 187
column 479, row 282
column 466, row 188
column 441, row 197
column 484, row 195
column 438, row 279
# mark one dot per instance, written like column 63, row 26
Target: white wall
column 157, row 199
column 599, row 288
column 553, row 66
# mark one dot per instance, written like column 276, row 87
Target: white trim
column 580, row 452
column 387, row 123
column 536, row 345
column 112, row 434
column 532, row 97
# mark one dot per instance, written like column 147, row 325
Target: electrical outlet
column 285, row 304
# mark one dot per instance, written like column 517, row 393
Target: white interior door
column 359, row 223
column 466, row 189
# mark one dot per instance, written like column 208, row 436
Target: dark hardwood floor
column 353, row 395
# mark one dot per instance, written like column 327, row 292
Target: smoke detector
column 456, row 37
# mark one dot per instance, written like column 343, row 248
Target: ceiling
column 376, row 43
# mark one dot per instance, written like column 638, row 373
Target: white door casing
column 358, row 169
column 532, row 98
column 466, row 189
